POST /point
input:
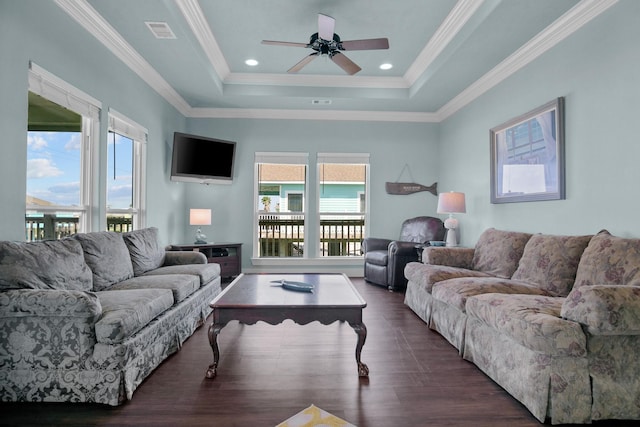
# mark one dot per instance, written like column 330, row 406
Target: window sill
column 291, row 261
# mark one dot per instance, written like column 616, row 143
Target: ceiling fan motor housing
column 325, row 47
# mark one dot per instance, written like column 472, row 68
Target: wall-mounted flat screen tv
column 201, row 159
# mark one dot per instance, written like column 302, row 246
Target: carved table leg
column 214, row 331
column 361, row 330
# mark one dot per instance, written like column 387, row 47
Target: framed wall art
column 527, row 156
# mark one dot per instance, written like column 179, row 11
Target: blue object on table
column 294, row 286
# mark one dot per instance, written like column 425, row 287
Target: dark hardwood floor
column 268, row 373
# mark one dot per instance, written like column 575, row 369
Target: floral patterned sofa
column 88, row 318
column 555, row 320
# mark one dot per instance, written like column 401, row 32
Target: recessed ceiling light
column 386, row 66
column 251, row 62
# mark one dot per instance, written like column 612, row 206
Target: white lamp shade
column 200, row 216
column 451, row 202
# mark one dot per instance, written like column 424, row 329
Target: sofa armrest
column 374, row 244
column 184, row 257
column 49, row 303
column 452, row 257
column 605, row 309
column 47, row 329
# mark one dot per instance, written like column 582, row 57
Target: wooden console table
column 228, row 255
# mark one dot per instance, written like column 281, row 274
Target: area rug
column 314, row 417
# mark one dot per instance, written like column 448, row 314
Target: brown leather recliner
column 385, row 259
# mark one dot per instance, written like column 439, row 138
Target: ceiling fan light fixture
column 386, row 66
column 251, row 62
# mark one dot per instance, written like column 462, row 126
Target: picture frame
column 527, row 156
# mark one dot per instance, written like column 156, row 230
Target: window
column 61, row 135
column 126, row 144
column 280, row 211
column 282, row 215
column 342, row 200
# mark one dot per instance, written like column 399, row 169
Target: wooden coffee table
column 252, row 297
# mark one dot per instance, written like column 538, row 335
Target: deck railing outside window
column 283, row 235
column 52, row 226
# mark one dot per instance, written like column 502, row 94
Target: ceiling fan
column 326, row 42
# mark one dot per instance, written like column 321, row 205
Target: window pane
column 53, row 168
column 281, row 192
column 119, row 172
column 51, row 225
column 342, row 204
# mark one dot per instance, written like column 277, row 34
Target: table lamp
column 200, row 217
column 450, row 203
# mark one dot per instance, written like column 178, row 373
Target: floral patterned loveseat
column 88, row 318
column 556, row 322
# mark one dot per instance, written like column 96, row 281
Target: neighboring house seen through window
column 282, row 215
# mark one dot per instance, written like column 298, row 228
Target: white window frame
column 342, row 158
column 51, row 87
column 122, row 125
column 292, row 158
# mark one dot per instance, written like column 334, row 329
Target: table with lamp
column 227, row 254
column 451, row 203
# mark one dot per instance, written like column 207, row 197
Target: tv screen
column 201, row 159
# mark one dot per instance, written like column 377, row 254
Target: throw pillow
column 107, row 256
column 144, row 250
column 609, row 260
column 498, row 252
column 51, row 264
column 551, row 262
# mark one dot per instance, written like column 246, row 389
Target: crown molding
column 194, row 16
column 561, row 28
column 332, row 115
column 450, row 27
column 95, row 24
column 318, row 81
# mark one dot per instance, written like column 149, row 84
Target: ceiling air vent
column 321, row 101
column 161, row 30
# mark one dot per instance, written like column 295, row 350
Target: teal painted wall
column 597, row 70
column 391, row 145
column 39, row 31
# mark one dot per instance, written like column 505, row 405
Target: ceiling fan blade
column 326, row 25
column 302, row 63
column 366, row 44
column 345, row 63
column 277, row 43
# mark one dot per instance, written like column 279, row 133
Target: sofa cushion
column 609, row 260
column 54, row 264
column 425, row 275
column 206, row 272
column 182, row 285
column 108, row 257
column 551, row 261
column 455, row 292
column 530, row 320
column 377, row 257
column 125, row 312
column 497, row 252
column 144, row 249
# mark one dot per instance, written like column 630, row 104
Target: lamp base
column 451, row 237
column 200, row 238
